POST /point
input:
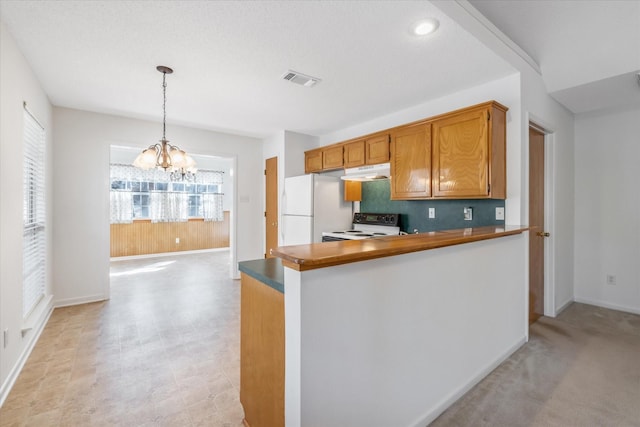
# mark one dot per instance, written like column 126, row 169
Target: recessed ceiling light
column 424, row 27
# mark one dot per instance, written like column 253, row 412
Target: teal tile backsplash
column 414, row 213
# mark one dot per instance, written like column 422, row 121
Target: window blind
column 34, row 243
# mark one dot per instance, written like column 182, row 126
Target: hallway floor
column 581, row 369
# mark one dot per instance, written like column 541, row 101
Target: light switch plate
column 432, row 213
column 500, row 214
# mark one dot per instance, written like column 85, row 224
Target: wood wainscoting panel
column 144, row 237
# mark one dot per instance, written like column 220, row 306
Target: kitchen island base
column 262, row 343
column 394, row 341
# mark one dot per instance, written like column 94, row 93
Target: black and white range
column 366, row 226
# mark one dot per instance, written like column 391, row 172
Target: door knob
column 542, row 234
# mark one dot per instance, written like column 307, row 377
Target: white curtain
column 212, row 207
column 167, row 206
column 121, row 207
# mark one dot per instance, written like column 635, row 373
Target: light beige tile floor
column 163, row 351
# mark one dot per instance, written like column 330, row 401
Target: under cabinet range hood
column 367, row 173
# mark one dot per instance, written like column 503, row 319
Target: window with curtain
column 121, row 202
column 34, row 215
column 153, row 196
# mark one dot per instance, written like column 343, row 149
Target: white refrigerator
column 310, row 205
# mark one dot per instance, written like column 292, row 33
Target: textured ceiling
column 229, row 57
column 588, row 50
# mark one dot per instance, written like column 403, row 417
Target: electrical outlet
column 432, row 213
column 177, row 240
column 499, row 214
column 468, row 214
column 611, row 279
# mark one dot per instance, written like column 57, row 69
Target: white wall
column 394, row 341
column 607, row 201
column 81, row 184
column 538, row 106
column 289, row 148
column 18, row 84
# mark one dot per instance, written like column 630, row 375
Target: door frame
column 550, row 308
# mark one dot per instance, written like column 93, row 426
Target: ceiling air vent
column 300, row 79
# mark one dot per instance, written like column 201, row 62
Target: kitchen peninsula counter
column 320, row 255
column 379, row 332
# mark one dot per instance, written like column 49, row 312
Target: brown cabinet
column 469, row 153
column 354, row 154
column 457, row 155
column 377, row 149
column 324, row 158
column 313, row 161
column 332, row 157
column 261, row 353
column 369, row 151
column 411, row 162
column 352, row 191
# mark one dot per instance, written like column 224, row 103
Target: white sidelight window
column 34, row 215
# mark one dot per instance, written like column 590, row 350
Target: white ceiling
column 229, row 56
column 588, row 51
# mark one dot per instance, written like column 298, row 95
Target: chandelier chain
column 164, row 105
column 164, row 155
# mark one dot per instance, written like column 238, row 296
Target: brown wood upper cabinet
column 313, row 161
column 377, row 149
column 354, row 154
column 369, row 151
column 411, row 162
column 332, row 157
column 469, row 158
column 323, row 158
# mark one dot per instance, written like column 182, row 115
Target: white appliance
column 368, row 172
column 366, row 226
column 310, row 205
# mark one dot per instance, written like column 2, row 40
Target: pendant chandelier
column 164, row 155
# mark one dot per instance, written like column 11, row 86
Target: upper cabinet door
column 377, row 149
column 354, row 154
column 469, row 158
column 332, row 157
column 461, row 155
column 411, row 162
column 313, row 161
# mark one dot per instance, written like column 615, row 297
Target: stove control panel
column 376, row 219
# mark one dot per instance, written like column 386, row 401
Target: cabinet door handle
column 542, row 234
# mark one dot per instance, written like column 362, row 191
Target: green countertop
column 268, row 271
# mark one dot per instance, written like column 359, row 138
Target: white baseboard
column 37, row 328
column 80, row 300
column 434, row 413
column 604, row 304
column 164, row 254
column 563, row 307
